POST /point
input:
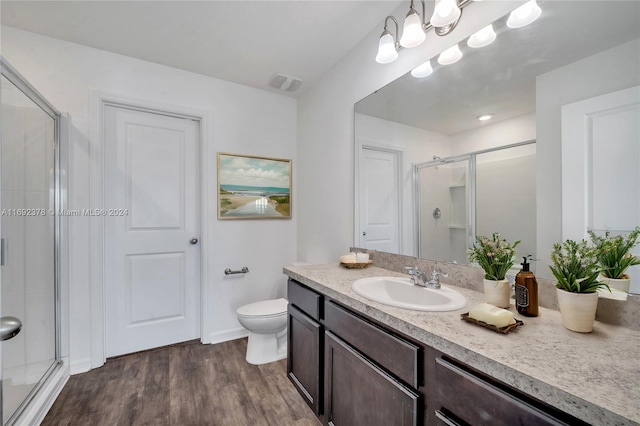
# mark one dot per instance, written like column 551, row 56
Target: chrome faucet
column 434, row 280
column 417, row 277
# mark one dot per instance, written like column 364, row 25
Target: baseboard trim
column 226, row 335
column 80, row 366
column 39, row 406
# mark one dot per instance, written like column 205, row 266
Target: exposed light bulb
column 524, row 15
column 450, row 56
column 386, row 49
column 412, row 33
column 423, row 70
column 484, row 117
column 445, row 12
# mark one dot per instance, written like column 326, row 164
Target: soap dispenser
column 526, row 291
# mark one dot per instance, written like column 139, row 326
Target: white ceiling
column 241, row 41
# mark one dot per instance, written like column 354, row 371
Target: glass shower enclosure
column 29, row 299
column 473, row 194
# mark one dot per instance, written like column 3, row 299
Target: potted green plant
column 575, row 266
column 614, row 257
column 495, row 257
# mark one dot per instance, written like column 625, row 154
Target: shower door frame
column 57, row 366
column 471, row 157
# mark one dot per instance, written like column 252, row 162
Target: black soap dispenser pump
column 526, row 291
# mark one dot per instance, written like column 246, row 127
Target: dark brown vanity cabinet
column 464, row 397
column 304, row 345
column 355, row 371
column 359, row 393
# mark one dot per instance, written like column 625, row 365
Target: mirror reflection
column 425, row 183
column 461, row 197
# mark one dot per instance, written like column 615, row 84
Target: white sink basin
column 400, row 292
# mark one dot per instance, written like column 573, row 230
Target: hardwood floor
column 185, row 384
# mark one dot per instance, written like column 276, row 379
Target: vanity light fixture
column 484, row 117
column 482, row 38
column 445, row 18
column 387, row 47
column 412, row 33
column 524, row 15
column 423, row 70
column 450, row 56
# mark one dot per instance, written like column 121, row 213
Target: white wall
column 606, row 72
column 493, row 135
column 505, row 200
column 238, row 119
column 326, row 133
column 418, row 145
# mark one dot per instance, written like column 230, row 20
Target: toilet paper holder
column 244, row 270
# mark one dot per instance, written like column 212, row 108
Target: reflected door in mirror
column 379, row 200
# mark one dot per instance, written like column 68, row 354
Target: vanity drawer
column 396, row 355
column 471, row 400
column 305, row 299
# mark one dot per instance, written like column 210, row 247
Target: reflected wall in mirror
column 522, row 79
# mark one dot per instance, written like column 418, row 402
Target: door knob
column 364, row 233
column 9, row 327
column 193, row 241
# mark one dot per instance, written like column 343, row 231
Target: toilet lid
column 264, row 308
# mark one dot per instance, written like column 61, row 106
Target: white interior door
column 152, row 256
column 600, row 173
column 380, row 200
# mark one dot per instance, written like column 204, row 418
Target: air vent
column 284, row 82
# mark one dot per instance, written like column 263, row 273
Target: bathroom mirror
column 421, row 120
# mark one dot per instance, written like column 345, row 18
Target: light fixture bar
column 414, row 32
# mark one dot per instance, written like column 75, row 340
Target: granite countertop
column 594, row 377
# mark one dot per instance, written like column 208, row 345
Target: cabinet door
column 304, row 356
column 357, row 393
column 477, row 402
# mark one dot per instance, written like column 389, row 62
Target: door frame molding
column 98, row 101
column 363, row 143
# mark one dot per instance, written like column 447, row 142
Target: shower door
column 444, row 197
column 28, row 230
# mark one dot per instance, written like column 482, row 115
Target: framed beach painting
column 252, row 187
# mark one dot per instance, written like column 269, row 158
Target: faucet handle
column 411, row 269
column 436, row 274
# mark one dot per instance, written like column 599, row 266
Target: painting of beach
column 252, row 187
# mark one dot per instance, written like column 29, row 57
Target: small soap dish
column 356, row 265
column 501, row 330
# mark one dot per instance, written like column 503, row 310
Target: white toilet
column 267, row 325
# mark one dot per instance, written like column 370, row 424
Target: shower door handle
column 9, row 327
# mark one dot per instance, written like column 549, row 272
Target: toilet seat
column 264, row 309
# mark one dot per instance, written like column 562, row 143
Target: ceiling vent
column 285, row 82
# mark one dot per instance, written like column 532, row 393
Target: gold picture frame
column 252, row 187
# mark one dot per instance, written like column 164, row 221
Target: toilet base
column 266, row 348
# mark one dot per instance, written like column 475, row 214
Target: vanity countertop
column 594, row 377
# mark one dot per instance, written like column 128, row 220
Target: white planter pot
column 578, row 310
column 497, row 293
column 621, row 284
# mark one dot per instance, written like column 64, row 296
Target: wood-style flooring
column 184, row 384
